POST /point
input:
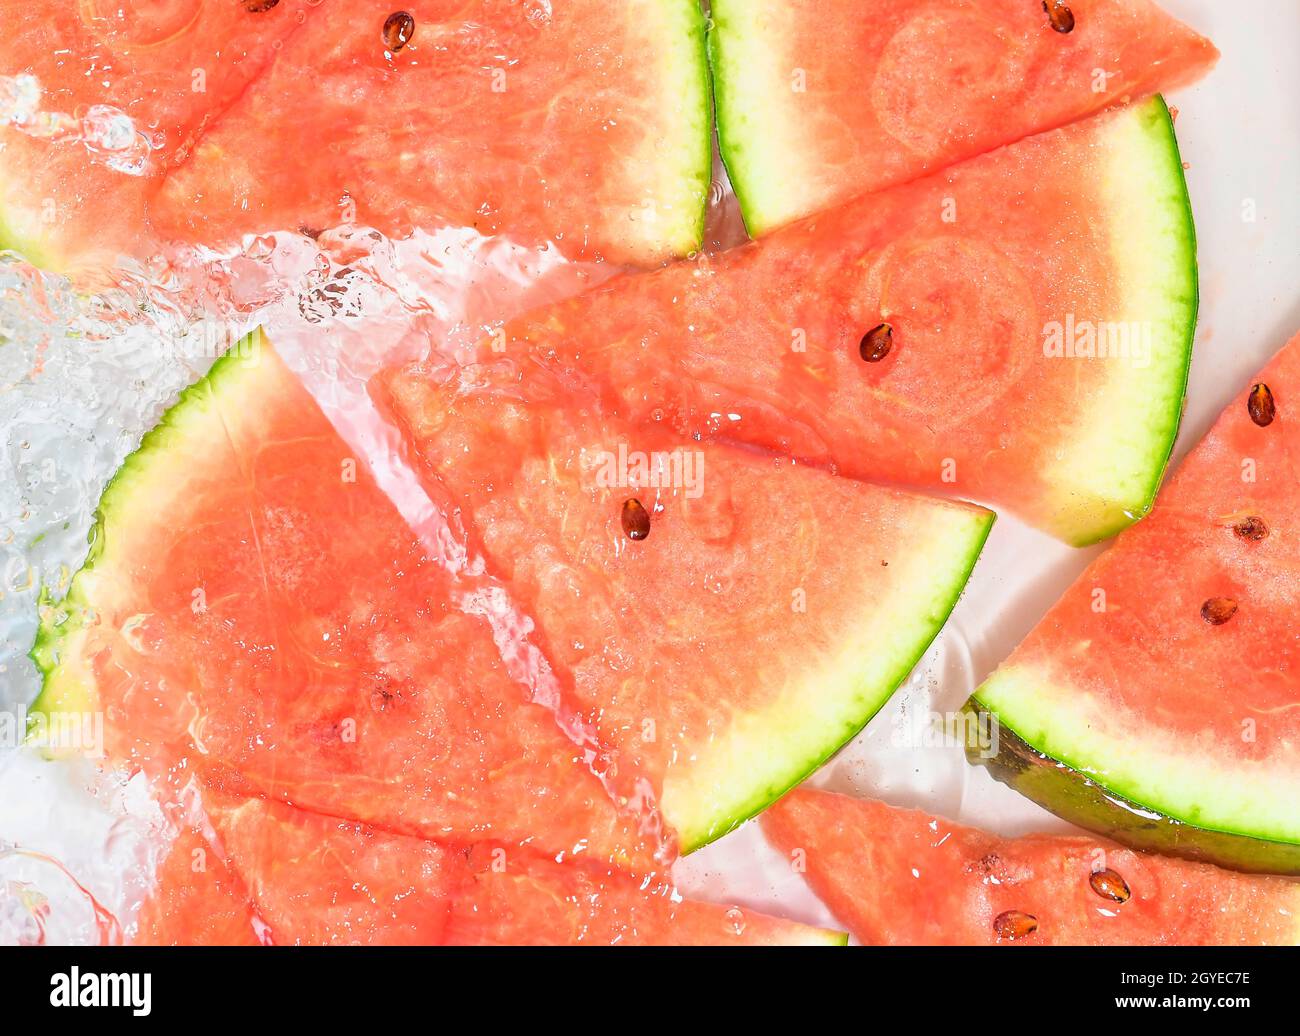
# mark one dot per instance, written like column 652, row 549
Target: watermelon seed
column 876, row 343
column 1260, row 405
column 1251, row 528
column 1060, row 16
column 1110, row 885
column 1014, row 924
column 399, row 27
column 1218, row 610
column 636, row 520
column 258, row 6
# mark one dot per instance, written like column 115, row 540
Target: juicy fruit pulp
column 1040, row 303
column 821, row 101
column 725, row 620
column 587, row 124
column 253, row 601
column 902, row 877
column 320, row 880
column 1175, row 694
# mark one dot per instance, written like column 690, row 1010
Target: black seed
column 1110, row 885
column 1260, row 405
column 636, row 520
column 258, row 6
column 1251, row 528
column 876, row 343
column 1218, row 610
column 399, row 27
column 1014, row 924
column 1060, row 17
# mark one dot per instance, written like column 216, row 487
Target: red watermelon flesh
column 1166, row 676
column 254, row 601
column 936, row 334
column 822, row 100
column 197, row 901
column 724, row 619
column 320, row 880
column 898, row 876
column 585, row 123
column 172, row 67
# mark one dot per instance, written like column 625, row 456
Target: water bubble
column 735, row 920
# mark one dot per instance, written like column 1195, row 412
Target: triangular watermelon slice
column 253, row 600
column 585, row 124
column 1016, row 330
column 897, row 876
column 725, row 620
column 822, row 100
column 319, row 880
column 1157, row 699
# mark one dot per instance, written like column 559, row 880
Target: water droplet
column 1218, row 610
column 1110, row 885
column 1260, row 405
column 1014, row 924
column 636, row 520
column 876, row 343
column 735, row 918
column 399, row 27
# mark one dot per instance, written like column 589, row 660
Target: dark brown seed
column 1014, row 924
column 399, row 27
column 636, row 519
column 1251, row 528
column 876, row 343
column 1218, row 610
column 258, row 6
column 1260, row 405
column 1110, row 885
column 1059, row 16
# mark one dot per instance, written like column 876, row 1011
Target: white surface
column 1240, row 135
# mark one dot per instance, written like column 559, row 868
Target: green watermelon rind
column 65, row 686
column 861, row 704
column 1080, row 795
column 693, row 15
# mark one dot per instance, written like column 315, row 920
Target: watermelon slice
column 725, row 620
column 586, row 124
column 198, row 900
column 254, row 602
column 169, row 67
column 821, row 101
column 320, row 880
column 1157, row 699
column 942, row 334
column 899, row 876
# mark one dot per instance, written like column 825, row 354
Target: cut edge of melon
column 1108, row 474
column 1224, row 814
column 65, row 638
column 765, row 754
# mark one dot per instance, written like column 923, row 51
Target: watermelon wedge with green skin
column 319, row 880
column 197, row 900
column 899, row 876
column 725, row 620
column 942, row 334
column 253, row 602
column 821, row 101
column 588, row 125
column 171, row 67
column 1157, row 699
